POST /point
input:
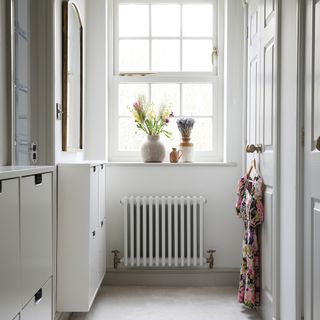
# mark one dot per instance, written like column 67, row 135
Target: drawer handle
column 38, row 296
column 0, row 186
column 94, row 169
column 93, row 233
column 102, row 167
column 101, row 223
column 38, row 179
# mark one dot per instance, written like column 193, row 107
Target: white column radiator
column 163, row 231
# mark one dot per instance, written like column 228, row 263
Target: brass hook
column 251, row 148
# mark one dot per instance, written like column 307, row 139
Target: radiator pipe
column 154, row 197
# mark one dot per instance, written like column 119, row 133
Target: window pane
column 130, row 138
column 197, row 99
column 197, row 20
column 165, row 20
column 133, row 55
column 133, row 20
column 128, row 93
column 201, row 135
column 197, row 55
column 166, row 94
column 176, row 137
column 165, row 55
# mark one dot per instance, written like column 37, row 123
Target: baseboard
column 172, row 277
column 62, row 316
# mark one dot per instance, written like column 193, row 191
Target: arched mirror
column 72, row 91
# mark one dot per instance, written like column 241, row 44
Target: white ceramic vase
column 187, row 150
column 153, row 150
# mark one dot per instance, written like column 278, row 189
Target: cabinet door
column 36, row 232
column 102, row 250
column 40, row 306
column 102, row 193
column 94, row 198
column 94, row 266
column 10, row 302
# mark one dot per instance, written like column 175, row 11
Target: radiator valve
column 210, row 259
column 116, row 258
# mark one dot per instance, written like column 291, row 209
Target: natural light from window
column 164, row 51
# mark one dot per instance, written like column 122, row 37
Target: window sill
column 169, row 164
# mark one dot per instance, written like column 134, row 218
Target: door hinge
column 302, row 137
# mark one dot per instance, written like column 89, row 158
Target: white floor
column 169, row 303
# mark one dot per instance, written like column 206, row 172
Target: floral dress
column 250, row 208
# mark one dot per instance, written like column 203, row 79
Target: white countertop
column 7, row 172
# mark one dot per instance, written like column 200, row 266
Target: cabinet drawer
column 10, row 303
column 36, row 232
column 40, row 306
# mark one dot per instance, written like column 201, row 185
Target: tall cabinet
column 81, row 252
column 26, row 268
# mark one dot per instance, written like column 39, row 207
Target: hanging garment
column 249, row 207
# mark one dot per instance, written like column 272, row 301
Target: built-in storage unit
column 26, row 268
column 81, row 251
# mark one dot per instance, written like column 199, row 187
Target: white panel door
column 10, row 302
column 36, row 233
column 312, row 163
column 262, row 130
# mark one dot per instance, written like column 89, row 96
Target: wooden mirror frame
column 65, row 54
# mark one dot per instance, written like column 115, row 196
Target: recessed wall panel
column 268, row 96
column 267, row 242
column 316, row 84
column 316, row 260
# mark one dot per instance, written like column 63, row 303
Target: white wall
column 4, row 102
column 217, row 184
column 223, row 230
column 61, row 156
column 96, row 85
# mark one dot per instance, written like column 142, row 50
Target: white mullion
column 181, row 99
column 180, row 37
column 115, row 24
column 150, row 41
column 149, row 88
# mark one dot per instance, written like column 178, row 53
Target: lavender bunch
column 185, row 126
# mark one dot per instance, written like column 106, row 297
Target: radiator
column 163, row 231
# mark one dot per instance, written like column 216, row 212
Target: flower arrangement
column 185, row 126
column 148, row 120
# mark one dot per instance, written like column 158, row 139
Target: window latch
column 214, row 55
column 130, row 74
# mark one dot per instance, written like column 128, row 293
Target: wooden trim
column 65, row 53
column 64, row 73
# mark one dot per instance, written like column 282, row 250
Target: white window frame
column 216, row 77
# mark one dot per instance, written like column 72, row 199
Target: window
column 166, row 50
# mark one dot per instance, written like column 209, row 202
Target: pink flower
column 137, row 105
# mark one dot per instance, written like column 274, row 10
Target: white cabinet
column 39, row 307
column 10, row 303
column 81, row 252
column 36, row 231
column 25, row 240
